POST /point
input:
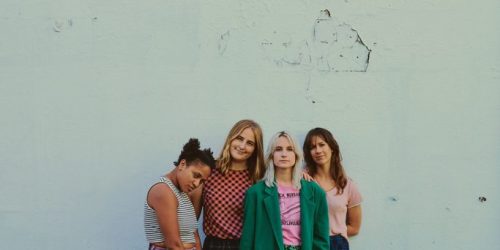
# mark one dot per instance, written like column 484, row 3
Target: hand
column 306, row 176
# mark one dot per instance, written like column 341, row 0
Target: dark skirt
column 214, row 243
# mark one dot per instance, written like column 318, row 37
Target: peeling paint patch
column 339, row 47
column 333, row 46
column 223, row 41
column 283, row 50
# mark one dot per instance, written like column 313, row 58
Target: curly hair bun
column 192, row 145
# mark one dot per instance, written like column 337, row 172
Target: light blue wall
column 97, row 98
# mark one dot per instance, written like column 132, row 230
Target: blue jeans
column 338, row 242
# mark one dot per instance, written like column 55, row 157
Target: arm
column 163, row 201
column 353, row 220
column 321, row 238
column 196, row 197
column 248, row 233
column 198, row 241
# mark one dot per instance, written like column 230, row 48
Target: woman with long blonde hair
column 283, row 211
column 239, row 165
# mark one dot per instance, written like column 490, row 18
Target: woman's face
column 284, row 154
column 320, row 151
column 243, row 146
column 192, row 176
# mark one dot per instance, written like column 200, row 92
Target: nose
column 196, row 183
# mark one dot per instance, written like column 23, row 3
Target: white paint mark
column 60, row 25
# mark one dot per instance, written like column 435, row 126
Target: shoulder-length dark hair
column 336, row 169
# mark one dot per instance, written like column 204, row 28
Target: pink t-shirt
column 289, row 198
column 338, row 205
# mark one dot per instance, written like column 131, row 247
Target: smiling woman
column 240, row 164
column 324, row 163
column 169, row 216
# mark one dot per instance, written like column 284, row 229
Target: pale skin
column 321, row 154
column 162, row 199
column 284, row 162
column 241, row 149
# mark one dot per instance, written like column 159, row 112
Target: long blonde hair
column 269, row 177
column 255, row 163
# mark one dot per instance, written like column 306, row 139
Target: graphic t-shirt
column 289, row 199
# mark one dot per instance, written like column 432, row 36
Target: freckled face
column 284, row 155
column 192, row 176
column 243, row 146
column 320, row 151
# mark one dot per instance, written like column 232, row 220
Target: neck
column 284, row 176
column 172, row 176
column 238, row 165
column 322, row 171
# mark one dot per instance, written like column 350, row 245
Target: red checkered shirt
column 223, row 197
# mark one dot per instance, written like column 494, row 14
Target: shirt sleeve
column 354, row 198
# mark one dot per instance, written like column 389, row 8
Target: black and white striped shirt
column 185, row 216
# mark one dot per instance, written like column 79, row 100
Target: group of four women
column 252, row 201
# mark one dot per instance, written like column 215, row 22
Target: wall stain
column 482, row 199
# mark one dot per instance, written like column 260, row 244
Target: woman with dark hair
column 324, row 164
column 239, row 165
column 284, row 212
column 169, row 216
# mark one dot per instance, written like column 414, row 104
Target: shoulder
column 161, row 193
column 257, row 187
column 351, row 184
column 312, row 186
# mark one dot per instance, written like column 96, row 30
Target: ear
column 182, row 164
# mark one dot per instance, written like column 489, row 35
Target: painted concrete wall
column 97, row 98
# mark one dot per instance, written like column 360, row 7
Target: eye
column 278, row 149
column 239, row 138
column 197, row 175
column 251, row 143
column 289, row 149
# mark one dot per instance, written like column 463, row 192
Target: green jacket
column 262, row 219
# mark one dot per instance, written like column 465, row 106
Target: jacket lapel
column 273, row 212
column 307, row 207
